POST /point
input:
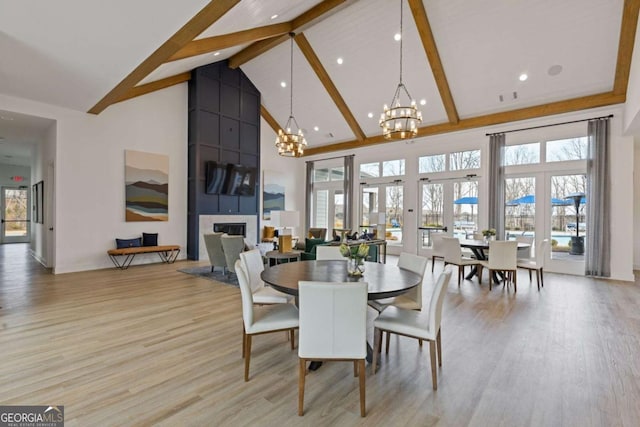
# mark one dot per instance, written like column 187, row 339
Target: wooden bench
column 167, row 253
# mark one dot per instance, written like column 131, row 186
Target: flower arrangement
column 489, row 232
column 355, row 266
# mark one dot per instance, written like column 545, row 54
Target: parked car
column 572, row 226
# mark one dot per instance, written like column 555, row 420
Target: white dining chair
column 252, row 265
column 453, row 255
column 502, row 258
column 537, row 263
column 333, row 326
column 232, row 247
column 280, row 317
column 422, row 325
column 437, row 250
column 525, row 253
column 328, row 253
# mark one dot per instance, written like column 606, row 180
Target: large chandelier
column 290, row 140
column 397, row 121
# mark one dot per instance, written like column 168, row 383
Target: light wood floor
column 152, row 346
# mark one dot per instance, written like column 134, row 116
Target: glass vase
column 355, row 267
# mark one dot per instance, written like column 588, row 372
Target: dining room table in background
column 479, row 248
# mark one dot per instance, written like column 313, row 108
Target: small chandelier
column 290, row 140
column 400, row 122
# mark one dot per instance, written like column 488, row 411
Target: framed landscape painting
column 146, row 186
column 272, row 193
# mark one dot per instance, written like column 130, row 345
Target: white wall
column 622, row 158
column 89, row 173
column 12, row 170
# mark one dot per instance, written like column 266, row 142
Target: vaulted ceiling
column 463, row 58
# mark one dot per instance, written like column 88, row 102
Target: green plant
column 489, row 232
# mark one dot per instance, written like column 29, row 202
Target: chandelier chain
column 401, row 37
column 291, row 79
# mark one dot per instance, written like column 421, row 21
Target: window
column 431, row 164
column 567, row 149
column 464, row 160
column 523, row 154
column 393, row 168
column 321, row 175
column 370, row 170
column 337, row 174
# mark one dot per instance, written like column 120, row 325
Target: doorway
column 15, row 226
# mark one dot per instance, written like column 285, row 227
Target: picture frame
column 37, row 215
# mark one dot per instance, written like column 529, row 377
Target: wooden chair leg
column 433, row 263
column 377, row 338
column 420, row 343
column 439, row 347
column 362, row 388
column 247, row 357
column 537, row 278
column 302, row 371
column 244, row 341
column 355, row 368
column 292, row 334
column 541, row 278
column 434, row 375
column 490, row 278
column 386, row 348
column 514, row 275
column 530, row 278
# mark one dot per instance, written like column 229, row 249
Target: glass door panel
column 15, row 224
column 520, row 207
column 338, row 209
column 394, row 209
column 568, row 223
column 465, row 209
column 432, row 212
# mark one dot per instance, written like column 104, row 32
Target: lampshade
column 285, row 219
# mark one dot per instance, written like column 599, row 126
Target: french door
column 328, row 209
column 15, row 215
column 537, row 205
column 386, row 199
column 449, row 206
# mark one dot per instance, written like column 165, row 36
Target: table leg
column 481, row 256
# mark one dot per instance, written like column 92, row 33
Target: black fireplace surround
column 231, row 228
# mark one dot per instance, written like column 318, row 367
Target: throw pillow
column 149, row 239
column 128, row 243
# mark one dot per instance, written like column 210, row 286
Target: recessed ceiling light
column 283, row 84
column 339, row 61
column 423, row 102
column 370, row 115
column 397, row 37
column 554, row 70
column 523, row 77
column 274, row 16
column 216, row 54
column 316, row 128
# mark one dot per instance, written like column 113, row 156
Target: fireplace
column 231, row 228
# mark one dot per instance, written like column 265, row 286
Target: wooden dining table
column 383, row 280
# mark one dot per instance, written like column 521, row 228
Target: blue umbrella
column 466, row 201
column 530, row 199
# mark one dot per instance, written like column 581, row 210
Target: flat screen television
column 216, row 174
column 240, row 180
column 230, row 179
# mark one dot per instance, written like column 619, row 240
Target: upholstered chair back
column 416, row 264
column 253, row 266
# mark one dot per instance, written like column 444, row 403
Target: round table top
column 384, row 280
column 483, row 244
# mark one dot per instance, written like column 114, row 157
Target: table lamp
column 285, row 220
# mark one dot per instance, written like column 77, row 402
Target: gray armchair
column 232, row 246
column 213, row 243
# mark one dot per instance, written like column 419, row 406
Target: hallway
column 19, row 272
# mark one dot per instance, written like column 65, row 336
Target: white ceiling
column 73, row 52
column 18, row 135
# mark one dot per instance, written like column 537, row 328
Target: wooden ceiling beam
column 156, row 85
column 266, row 115
column 308, row 18
column 215, row 43
column 213, row 11
column 553, row 108
column 430, row 48
column 625, row 45
column 329, row 86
